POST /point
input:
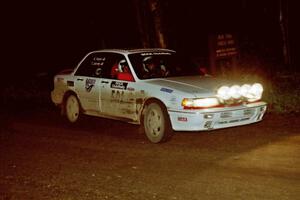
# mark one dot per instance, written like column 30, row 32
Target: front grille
column 248, row 112
column 233, row 121
column 226, row 115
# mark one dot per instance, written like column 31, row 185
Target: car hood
column 197, row 85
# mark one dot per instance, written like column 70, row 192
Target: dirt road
column 43, row 158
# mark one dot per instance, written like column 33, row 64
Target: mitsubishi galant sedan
column 157, row 90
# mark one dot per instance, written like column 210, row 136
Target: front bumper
column 215, row 118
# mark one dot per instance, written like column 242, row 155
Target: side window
column 118, row 65
column 92, row 66
column 101, row 65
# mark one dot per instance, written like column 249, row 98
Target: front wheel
column 156, row 123
column 72, row 108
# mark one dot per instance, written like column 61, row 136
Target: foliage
column 281, row 87
column 284, row 94
column 26, row 95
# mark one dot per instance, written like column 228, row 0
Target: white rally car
column 156, row 89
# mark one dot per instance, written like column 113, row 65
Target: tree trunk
column 141, row 12
column 155, row 10
column 283, row 21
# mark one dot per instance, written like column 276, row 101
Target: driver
column 151, row 70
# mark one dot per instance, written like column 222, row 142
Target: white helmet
column 121, row 64
column 146, row 61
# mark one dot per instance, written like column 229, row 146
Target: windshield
column 149, row 65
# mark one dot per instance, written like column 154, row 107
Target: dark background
column 47, row 36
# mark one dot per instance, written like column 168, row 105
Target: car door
column 87, row 82
column 117, row 96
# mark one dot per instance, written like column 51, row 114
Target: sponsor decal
column 182, row 119
column 130, row 89
column 155, row 53
column 70, row 83
column 98, row 61
column 89, row 84
column 166, row 90
column 119, row 85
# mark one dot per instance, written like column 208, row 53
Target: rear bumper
column 215, row 118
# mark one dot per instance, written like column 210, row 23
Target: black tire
column 71, row 108
column 156, row 123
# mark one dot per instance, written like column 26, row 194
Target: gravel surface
column 42, row 157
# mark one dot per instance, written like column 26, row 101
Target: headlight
column 194, row 103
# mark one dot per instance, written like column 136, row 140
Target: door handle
column 80, row 79
column 105, row 82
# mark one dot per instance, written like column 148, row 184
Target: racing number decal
column 116, row 94
column 117, row 91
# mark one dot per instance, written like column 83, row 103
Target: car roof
column 131, row 51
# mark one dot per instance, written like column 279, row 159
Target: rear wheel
column 72, row 108
column 156, row 123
